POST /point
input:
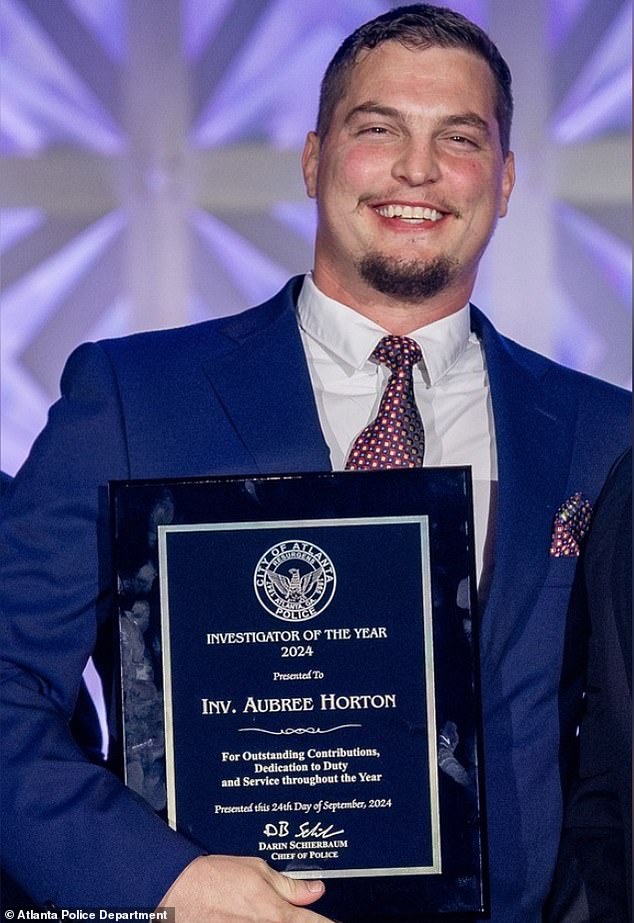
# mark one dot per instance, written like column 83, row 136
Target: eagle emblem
column 294, row 580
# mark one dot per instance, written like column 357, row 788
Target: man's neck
column 392, row 314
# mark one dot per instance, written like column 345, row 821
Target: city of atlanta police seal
column 294, row 580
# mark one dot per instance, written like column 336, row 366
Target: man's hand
column 228, row 889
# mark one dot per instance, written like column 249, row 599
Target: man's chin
column 409, row 280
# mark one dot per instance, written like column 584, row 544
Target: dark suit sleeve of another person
column 593, row 880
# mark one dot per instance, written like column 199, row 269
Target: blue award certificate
column 313, row 662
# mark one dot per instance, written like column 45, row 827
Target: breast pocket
column 561, row 572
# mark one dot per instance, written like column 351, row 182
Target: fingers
column 300, row 892
column 229, row 889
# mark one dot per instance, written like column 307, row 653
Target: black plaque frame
column 403, row 544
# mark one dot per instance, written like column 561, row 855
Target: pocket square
column 572, row 521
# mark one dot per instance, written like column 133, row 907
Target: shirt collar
column 351, row 338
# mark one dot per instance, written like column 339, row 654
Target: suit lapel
column 261, row 378
column 534, row 454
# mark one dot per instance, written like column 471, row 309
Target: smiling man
column 410, row 178
column 411, row 169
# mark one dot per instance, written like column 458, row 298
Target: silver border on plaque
column 164, row 530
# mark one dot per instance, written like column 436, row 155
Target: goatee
column 408, row 281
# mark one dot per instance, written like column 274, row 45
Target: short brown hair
column 419, row 25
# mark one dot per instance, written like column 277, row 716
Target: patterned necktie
column 395, row 439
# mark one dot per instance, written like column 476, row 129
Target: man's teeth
column 414, row 212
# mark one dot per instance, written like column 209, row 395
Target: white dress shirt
column 451, row 387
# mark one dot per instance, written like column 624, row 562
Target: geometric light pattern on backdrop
column 595, row 277
column 253, row 69
column 600, row 98
column 593, row 246
column 47, row 95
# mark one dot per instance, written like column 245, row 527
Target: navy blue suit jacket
column 234, row 396
column 593, row 881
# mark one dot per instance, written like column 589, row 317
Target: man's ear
column 310, row 163
column 508, row 182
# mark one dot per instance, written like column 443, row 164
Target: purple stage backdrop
column 151, row 177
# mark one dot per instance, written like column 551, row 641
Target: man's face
column 409, row 179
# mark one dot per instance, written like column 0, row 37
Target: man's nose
column 416, row 163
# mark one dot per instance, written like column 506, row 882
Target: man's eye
column 461, row 139
column 373, row 130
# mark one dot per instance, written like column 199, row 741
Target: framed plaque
column 299, row 678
